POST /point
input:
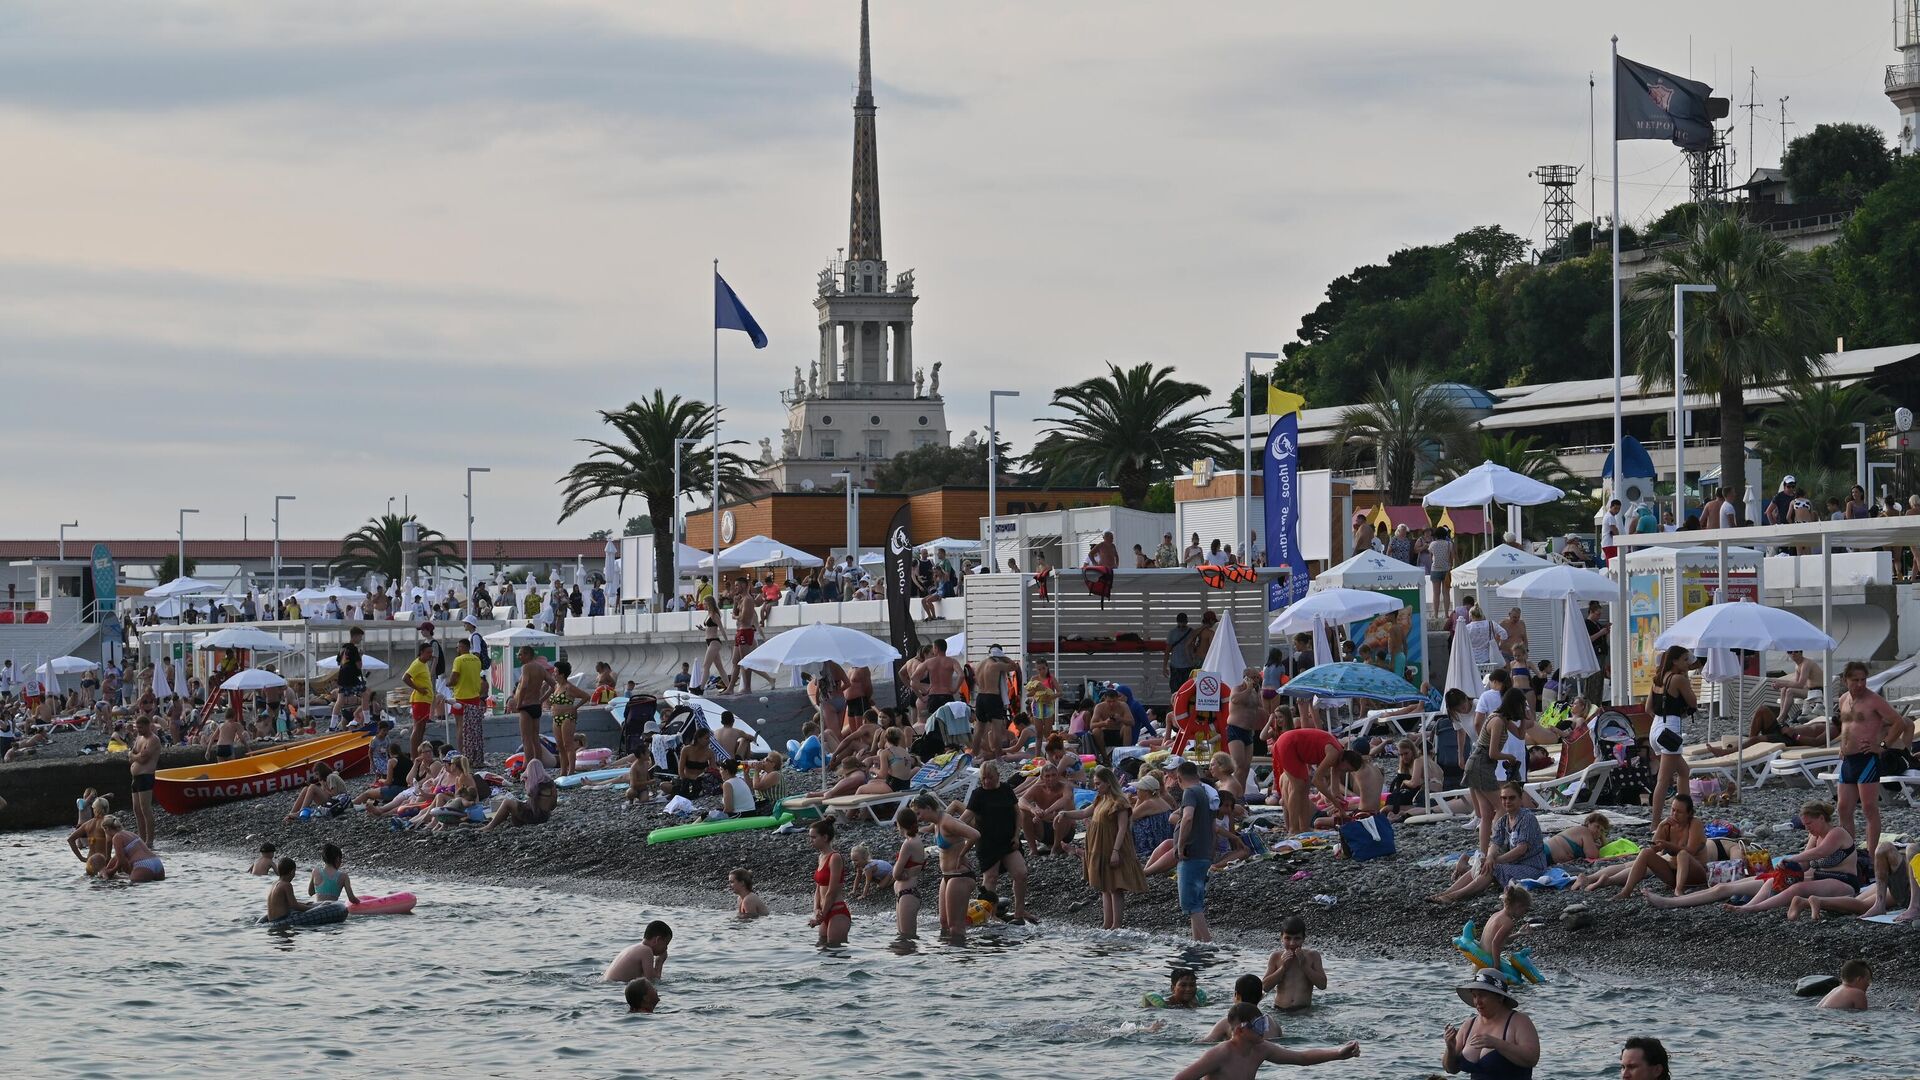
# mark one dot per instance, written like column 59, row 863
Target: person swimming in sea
column 751, row 906
column 262, row 865
column 1294, row 971
column 642, row 996
column 329, row 881
column 280, row 899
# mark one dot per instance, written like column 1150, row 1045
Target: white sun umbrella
column 1561, row 582
column 872, row 558
column 957, row 645
column 49, row 679
column 309, row 595
column 1334, row 605
column 1743, row 624
column 516, row 636
column 1463, row 672
column 1223, row 656
column 817, row 643
column 368, row 662
column 1322, row 646
column 253, row 679
column 951, row 544
column 760, row 551
column 185, row 586
column 1490, row 483
column 1577, row 658
column 251, row 638
column 343, row 593
column 67, row 665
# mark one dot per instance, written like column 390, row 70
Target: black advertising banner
column 899, row 570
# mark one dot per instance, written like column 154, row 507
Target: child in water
column 642, row 996
column 328, row 880
column 1855, row 976
column 740, row 880
column 280, row 899
column 1247, row 990
column 263, row 862
column 1515, row 902
column 1295, row 970
column 1185, row 991
column 869, row 871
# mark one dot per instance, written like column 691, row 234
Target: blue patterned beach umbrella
column 1345, row 681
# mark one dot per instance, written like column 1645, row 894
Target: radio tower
column 1557, row 182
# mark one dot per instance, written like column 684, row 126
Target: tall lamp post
column 992, row 558
column 847, row 476
column 180, row 568
column 1243, row 508
column 1679, row 405
column 274, row 594
column 61, row 554
column 471, row 469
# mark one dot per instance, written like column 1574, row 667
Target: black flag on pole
column 899, row 559
column 1654, row 104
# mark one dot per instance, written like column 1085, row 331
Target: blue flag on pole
column 730, row 314
column 1281, row 494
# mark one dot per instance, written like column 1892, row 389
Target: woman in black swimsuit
column 906, row 873
column 1474, row 1048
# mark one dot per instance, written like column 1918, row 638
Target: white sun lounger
column 1803, row 763
column 1750, row 767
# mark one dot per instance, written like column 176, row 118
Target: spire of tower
column 863, row 240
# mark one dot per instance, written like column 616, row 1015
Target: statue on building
column 919, row 382
column 766, row 450
column 813, row 377
column 933, row 382
column 971, row 442
column 904, row 282
column 826, row 281
column 799, row 385
column 789, row 443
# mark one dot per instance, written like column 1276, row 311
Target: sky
column 343, row 250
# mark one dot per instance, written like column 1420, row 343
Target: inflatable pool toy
column 1159, row 1001
column 1515, row 966
column 979, row 911
column 709, row 828
column 332, row 911
column 574, row 780
column 1617, row 848
column 599, row 755
column 399, row 903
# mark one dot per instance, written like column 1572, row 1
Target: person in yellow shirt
column 419, row 680
column 469, row 690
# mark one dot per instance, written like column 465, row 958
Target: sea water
column 175, row 979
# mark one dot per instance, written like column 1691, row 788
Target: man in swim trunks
column 469, row 692
column 993, row 810
column 746, row 627
column 941, row 675
column 732, row 739
column 419, row 680
column 859, row 689
column 1109, row 723
column 1865, row 722
column 989, row 698
column 529, row 696
column 142, row 759
column 1246, row 715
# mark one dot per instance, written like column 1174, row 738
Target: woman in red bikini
column 830, row 911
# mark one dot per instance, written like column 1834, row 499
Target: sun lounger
column 1907, row 785
column 942, row 780
column 1751, row 766
column 1575, row 792
column 1803, row 763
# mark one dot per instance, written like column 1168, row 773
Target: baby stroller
column 642, row 710
column 1631, row 782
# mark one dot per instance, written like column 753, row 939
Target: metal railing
column 1903, row 76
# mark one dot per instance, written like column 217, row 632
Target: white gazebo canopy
column 186, row 586
column 951, row 544
column 244, row 637
column 1489, row 564
column 756, row 551
column 1370, row 570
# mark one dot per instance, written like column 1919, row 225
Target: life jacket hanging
column 1099, row 581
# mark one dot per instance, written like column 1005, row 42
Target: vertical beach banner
column 1280, row 480
column 1643, row 626
column 900, row 632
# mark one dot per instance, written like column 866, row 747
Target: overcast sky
column 342, row 250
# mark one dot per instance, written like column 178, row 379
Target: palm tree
column 1406, row 428
column 1801, row 434
column 1132, row 426
column 638, row 463
column 374, row 548
column 1765, row 323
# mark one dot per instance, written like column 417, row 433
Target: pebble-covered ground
column 596, row 842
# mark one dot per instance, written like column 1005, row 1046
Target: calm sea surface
column 173, row 979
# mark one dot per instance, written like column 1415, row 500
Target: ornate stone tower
column 862, row 402
column 1903, row 78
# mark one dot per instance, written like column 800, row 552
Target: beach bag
column 1726, row 870
column 1704, row 787
column 1368, row 838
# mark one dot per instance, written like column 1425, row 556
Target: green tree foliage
column 170, row 568
column 600, row 534
column 1159, row 498
column 1837, row 161
column 636, row 462
column 934, row 466
column 1468, row 311
column 1876, row 264
column 1129, row 429
column 639, row 525
column 1403, row 430
column 1803, row 433
column 375, row 548
column 1766, row 324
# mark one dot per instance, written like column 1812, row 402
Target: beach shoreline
column 595, row 845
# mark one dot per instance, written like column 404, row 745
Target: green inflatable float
column 710, row 828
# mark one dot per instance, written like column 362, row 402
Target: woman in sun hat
column 1498, row 1042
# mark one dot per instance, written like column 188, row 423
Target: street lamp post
column 993, row 478
column 180, row 568
column 1244, row 506
column 471, row 469
column 61, row 554
column 1679, row 405
column 274, row 593
column 847, row 476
